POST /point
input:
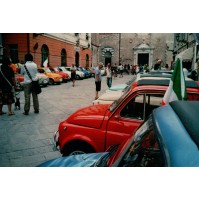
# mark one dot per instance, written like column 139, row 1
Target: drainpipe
column 119, row 47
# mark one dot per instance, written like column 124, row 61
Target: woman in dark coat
column 7, row 80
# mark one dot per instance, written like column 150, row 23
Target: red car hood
column 91, row 116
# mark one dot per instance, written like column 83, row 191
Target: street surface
column 26, row 141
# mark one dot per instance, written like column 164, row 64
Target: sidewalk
column 26, row 141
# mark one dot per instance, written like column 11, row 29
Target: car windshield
column 143, row 150
column 62, row 69
column 47, row 70
column 102, row 162
column 79, row 68
column 55, row 69
column 118, row 101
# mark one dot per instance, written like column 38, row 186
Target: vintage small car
column 155, row 143
column 65, row 76
column 97, row 127
column 53, row 77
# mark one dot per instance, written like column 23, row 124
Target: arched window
column 87, row 60
column 63, row 58
column 44, row 54
column 77, row 59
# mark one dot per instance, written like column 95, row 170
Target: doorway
column 77, row 59
column 107, row 60
column 108, row 56
column 143, row 58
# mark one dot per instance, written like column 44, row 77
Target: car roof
column 156, row 75
column 177, row 130
column 188, row 112
column 163, row 82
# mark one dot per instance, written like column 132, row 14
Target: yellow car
column 53, row 77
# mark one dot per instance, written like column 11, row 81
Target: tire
column 77, row 77
column 51, row 81
column 77, row 147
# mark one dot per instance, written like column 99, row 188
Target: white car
column 63, row 69
column 79, row 74
column 108, row 97
column 43, row 79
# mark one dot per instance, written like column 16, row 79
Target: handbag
column 12, row 87
column 35, row 84
column 36, row 87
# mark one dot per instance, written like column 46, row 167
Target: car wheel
column 51, row 81
column 77, row 147
column 77, row 77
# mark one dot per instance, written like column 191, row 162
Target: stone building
column 186, row 46
column 61, row 49
column 135, row 48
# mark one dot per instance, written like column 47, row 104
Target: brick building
column 61, row 49
column 135, row 48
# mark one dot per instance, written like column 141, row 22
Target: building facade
column 61, row 49
column 135, row 48
column 186, row 47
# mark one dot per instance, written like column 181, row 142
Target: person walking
column 121, row 69
column 98, row 79
column 73, row 73
column 7, row 82
column 29, row 70
column 108, row 75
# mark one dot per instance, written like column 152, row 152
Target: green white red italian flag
column 177, row 86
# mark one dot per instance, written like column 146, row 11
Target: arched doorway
column 108, row 59
column 63, row 58
column 107, row 53
column 87, row 60
column 44, row 54
column 77, row 59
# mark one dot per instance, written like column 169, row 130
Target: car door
column 130, row 115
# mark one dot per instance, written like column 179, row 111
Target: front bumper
column 55, row 140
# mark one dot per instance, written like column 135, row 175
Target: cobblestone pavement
column 26, row 141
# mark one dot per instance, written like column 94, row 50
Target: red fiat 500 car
column 97, row 127
column 65, row 76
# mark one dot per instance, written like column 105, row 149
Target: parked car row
column 54, row 75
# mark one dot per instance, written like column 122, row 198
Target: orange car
column 64, row 75
column 53, row 77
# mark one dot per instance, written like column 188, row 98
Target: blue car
column 168, row 138
column 86, row 72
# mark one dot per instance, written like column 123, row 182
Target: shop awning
column 186, row 55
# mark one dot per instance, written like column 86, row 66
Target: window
column 141, row 106
column 144, row 150
column 63, row 58
column 87, row 36
column 87, row 60
column 76, row 34
column 44, row 54
column 13, row 52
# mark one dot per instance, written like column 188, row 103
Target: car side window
column 141, row 106
column 134, row 108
